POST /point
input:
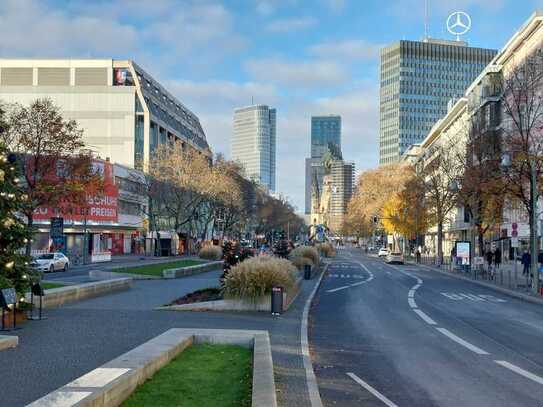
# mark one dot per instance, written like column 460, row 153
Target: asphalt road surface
column 402, row 335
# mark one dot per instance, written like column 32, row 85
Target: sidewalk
column 80, row 337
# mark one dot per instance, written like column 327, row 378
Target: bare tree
column 56, row 168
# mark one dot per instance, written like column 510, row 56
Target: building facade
column 417, row 81
column 325, row 134
column 343, row 174
column 480, row 113
column 254, row 143
column 124, row 112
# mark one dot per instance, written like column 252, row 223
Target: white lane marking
column 311, row 380
column 365, row 385
column 412, row 303
column 411, row 293
column 520, row 371
column 462, row 342
column 425, row 317
column 371, row 276
column 338, row 289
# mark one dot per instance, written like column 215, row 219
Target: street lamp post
column 506, row 164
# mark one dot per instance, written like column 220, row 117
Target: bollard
column 307, row 271
column 277, row 300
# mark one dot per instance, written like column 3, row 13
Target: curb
column 7, row 342
column 311, row 379
column 113, row 382
column 506, row 291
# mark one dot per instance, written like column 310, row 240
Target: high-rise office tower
column 253, row 143
column 343, row 173
column 325, row 134
column 418, row 78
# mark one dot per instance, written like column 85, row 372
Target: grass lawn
column 156, row 269
column 202, row 375
column 47, row 286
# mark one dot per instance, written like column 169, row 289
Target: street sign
column 478, row 261
column 514, row 242
column 514, row 233
column 57, row 227
column 514, row 226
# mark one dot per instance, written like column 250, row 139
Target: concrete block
column 191, row 270
column 8, row 341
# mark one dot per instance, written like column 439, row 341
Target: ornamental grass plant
column 326, row 249
column 254, row 278
column 300, row 262
column 305, row 251
column 210, row 253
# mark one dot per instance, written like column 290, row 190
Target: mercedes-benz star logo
column 458, row 24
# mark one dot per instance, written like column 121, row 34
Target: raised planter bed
column 236, row 304
column 114, row 382
column 191, row 270
column 77, row 292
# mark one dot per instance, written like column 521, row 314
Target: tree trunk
column 480, row 241
column 440, row 243
column 28, row 248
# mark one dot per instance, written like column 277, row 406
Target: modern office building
column 325, row 134
column 325, row 130
column 254, row 143
column 343, row 173
column 417, row 80
column 124, row 112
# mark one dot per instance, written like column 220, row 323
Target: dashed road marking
column 377, row 394
column 371, row 276
column 462, row 342
column 472, row 297
column 520, row 371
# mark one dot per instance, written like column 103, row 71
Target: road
column 402, row 335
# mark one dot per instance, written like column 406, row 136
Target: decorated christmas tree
column 14, row 233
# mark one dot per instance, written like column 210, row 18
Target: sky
column 303, row 57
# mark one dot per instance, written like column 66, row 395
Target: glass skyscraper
column 325, row 130
column 253, row 143
column 417, row 80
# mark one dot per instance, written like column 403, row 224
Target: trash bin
column 277, row 300
column 307, row 271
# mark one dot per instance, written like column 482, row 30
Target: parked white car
column 50, row 262
column 383, row 252
column 395, row 258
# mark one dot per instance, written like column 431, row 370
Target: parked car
column 394, row 258
column 50, row 262
column 383, row 252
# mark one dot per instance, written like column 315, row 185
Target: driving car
column 383, row 252
column 50, row 262
column 394, row 258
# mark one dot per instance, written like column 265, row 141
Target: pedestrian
column 526, row 260
column 540, row 258
column 497, row 257
column 453, row 255
column 489, row 257
column 417, row 255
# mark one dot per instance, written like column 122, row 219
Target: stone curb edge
column 115, row 381
column 8, row 341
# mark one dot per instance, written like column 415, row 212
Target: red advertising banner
column 101, row 208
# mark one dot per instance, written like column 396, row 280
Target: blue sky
column 302, row 57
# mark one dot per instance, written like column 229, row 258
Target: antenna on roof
column 252, row 101
column 425, row 19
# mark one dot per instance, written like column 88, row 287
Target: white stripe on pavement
column 425, row 317
column 520, row 371
column 412, row 303
column 365, row 385
column 338, row 289
column 462, row 342
column 311, row 380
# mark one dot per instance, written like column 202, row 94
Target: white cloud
column 301, row 74
column 291, row 24
column 350, row 50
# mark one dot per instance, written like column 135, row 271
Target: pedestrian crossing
column 334, row 275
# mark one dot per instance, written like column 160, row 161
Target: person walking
column 497, row 257
column 526, row 260
column 489, row 258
